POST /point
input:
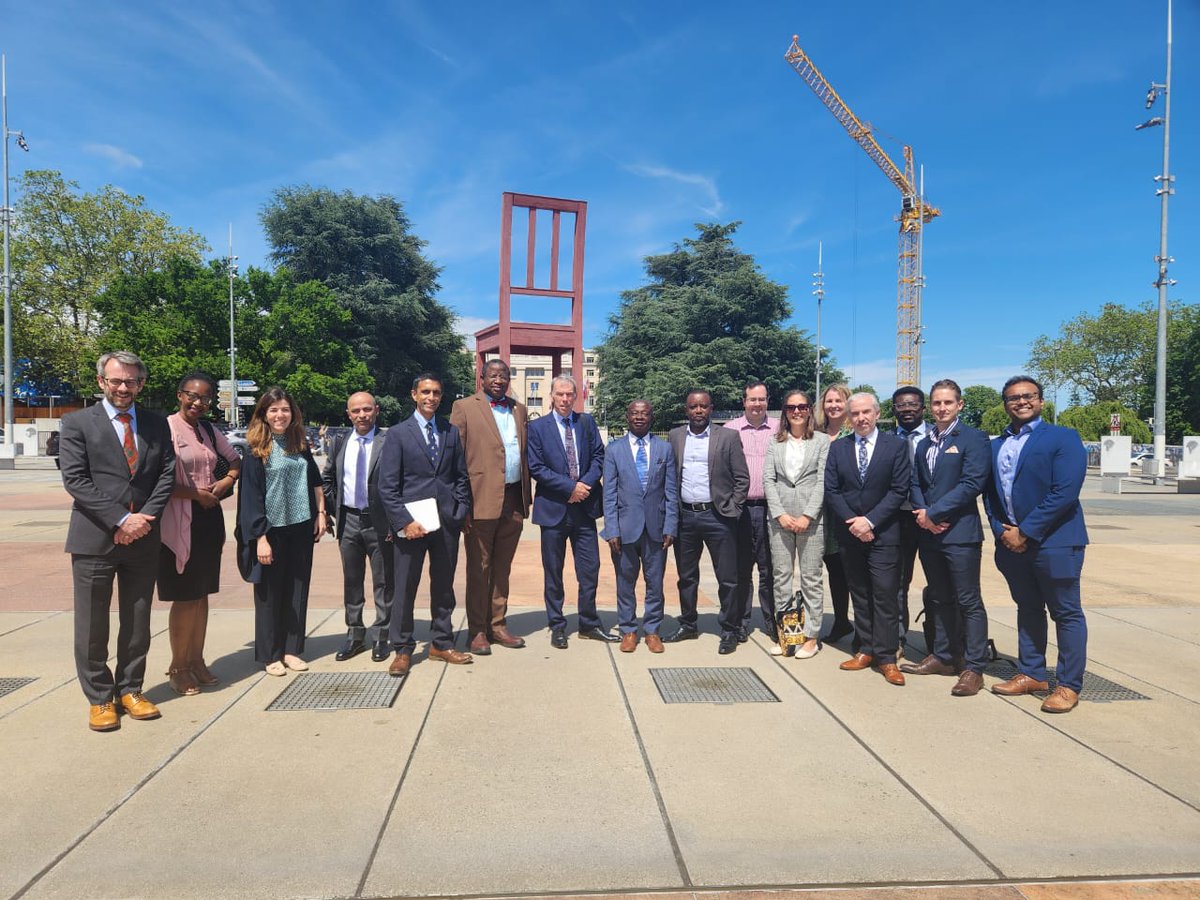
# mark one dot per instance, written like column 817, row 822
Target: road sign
column 1114, row 423
column 224, row 394
column 246, row 401
column 224, row 404
column 226, row 384
column 246, row 385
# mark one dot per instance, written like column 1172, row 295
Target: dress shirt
column 561, row 423
column 1006, row 461
column 507, row 423
column 793, row 457
column 694, row 487
column 119, row 427
column 755, row 440
column 633, row 439
column 872, row 439
column 935, row 443
column 350, row 463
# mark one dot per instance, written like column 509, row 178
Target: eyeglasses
column 115, row 383
column 797, row 407
column 1022, row 398
column 202, row 399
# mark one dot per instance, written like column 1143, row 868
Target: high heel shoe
column 182, row 681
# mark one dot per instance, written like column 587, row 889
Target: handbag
column 790, row 627
column 221, row 469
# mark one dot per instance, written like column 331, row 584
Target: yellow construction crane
column 914, row 213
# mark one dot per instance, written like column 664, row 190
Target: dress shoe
column 349, row 650
column 295, row 663
column 729, row 643
column 1019, row 684
column 1061, row 700
column 930, row 665
column 654, row 643
column 136, row 706
column 629, row 642
column 401, row 663
column 380, row 650
column 743, row 635
column 598, row 634
column 892, row 674
column 776, row 650
column 452, row 656
column 480, row 646
column 103, row 717
column 276, row 668
column 682, row 634
column 558, row 639
column 505, row 638
column 838, row 631
column 801, row 653
column 856, row 662
column 968, row 685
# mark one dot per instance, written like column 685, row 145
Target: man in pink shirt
column 756, row 430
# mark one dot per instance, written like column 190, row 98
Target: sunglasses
column 797, row 407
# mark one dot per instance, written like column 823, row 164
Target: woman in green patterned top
column 281, row 515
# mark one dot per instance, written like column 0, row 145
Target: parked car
column 237, row 439
column 1138, row 460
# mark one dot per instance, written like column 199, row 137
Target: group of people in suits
column 756, row 493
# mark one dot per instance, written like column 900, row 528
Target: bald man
column 357, row 519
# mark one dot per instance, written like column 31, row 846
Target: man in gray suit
column 713, row 482
column 118, row 463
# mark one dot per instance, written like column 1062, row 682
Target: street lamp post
column 819, row 293
column 233, row 414
column 7, row 212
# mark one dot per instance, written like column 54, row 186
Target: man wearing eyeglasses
column 118, row 463
column 908, row 403
column 1032, row 503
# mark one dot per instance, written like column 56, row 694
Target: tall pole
column 8, row 360
column 233, row 414
column 1163, row 282
column 819, row 284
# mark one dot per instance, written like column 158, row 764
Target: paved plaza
column 542, row 772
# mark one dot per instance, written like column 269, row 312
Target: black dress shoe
column 558, row 639
column 729, row 642
column 683, row 634
column 743, row 635
column 349, row 649
column 380, row 651
column 598, row 634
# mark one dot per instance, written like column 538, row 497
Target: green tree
column 363, row 248
column 708, row 318
column 1183, row 375
column 1092, row 422
column 977, row 400
column 68, row 247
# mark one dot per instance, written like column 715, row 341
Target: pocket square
column 951, row 449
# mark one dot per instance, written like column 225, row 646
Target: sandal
column 182, row 682
column 204, row 676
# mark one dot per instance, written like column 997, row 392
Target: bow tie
column 502, row 403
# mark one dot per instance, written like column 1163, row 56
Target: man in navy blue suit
column 566, row 459
column 1032, row 503
column 641, row 516
column 867, row 476
column 423, row 459
column 950, row 468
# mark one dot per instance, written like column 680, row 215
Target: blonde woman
column 832, row 423
column 794, row 483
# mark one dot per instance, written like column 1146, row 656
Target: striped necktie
column 643, row 464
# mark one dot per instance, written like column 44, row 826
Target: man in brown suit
column 492, row 426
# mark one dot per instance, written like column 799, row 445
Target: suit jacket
column 548, row 467
column 335, row 470
column 252, row 522
column 406, row 473
column 878, row 497
column 951, row 492
column 1045, row 492
column 628, row 510
column 96, row 474
column 728, row 476
column 805, row 496
column 476, row 425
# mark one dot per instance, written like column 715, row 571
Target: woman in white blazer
column 794, row 482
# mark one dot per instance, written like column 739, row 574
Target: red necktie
column 131, row 455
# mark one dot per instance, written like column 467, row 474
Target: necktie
column 431, row 436
column 572, row 458
column 862, row 459
column 131, row 454
column 360, row 475
column 643, row 464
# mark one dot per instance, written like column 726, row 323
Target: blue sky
column 660, row 115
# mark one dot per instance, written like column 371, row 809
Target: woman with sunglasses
column 832, row 422
column 193, row 530
column 794, row 483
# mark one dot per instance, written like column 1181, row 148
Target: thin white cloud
column 468, row 325
column 122, row 159
column 713, row 207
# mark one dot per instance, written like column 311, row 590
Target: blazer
column 878, row 497
column 252, row 522
column 728, row 475
column 96, row 474
column 334, row 471
column 1045, row 491
column 548, row 467
column 806, row 495
column 628, row 510
column 950, row 493
column 476, row 425
column 406, row 474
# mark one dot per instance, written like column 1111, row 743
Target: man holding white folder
column 426, row 492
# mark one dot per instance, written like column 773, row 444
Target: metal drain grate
column 8, row 685
column 1096, row 688
column 338, row 690
column 711, row 685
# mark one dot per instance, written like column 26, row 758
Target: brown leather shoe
column 103, row 718
column 401, row 663
column 629, row 642
column 452, row 656
column 892, row 674
column 654, row 643
column 930, row 665
column 968, row 685
column 480, row 646
column 138, row 707
column 857, row 661
column 1062, row 700
column 505, row 638
column 1019, row 684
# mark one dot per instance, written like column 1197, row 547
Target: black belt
column 356, row 510
column 755, row 503
column 697, row 507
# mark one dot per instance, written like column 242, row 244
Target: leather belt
column 755, row 503
column 356, row 510
column 697, row 507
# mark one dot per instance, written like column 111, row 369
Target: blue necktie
column 360, row 475
column 431, row 436
column 643, row 464
column 572, row 458
column 862, row 459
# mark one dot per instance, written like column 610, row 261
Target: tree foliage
column 708, row 318
column 1183, row 376
column 1092, row 422
column 977, row 400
